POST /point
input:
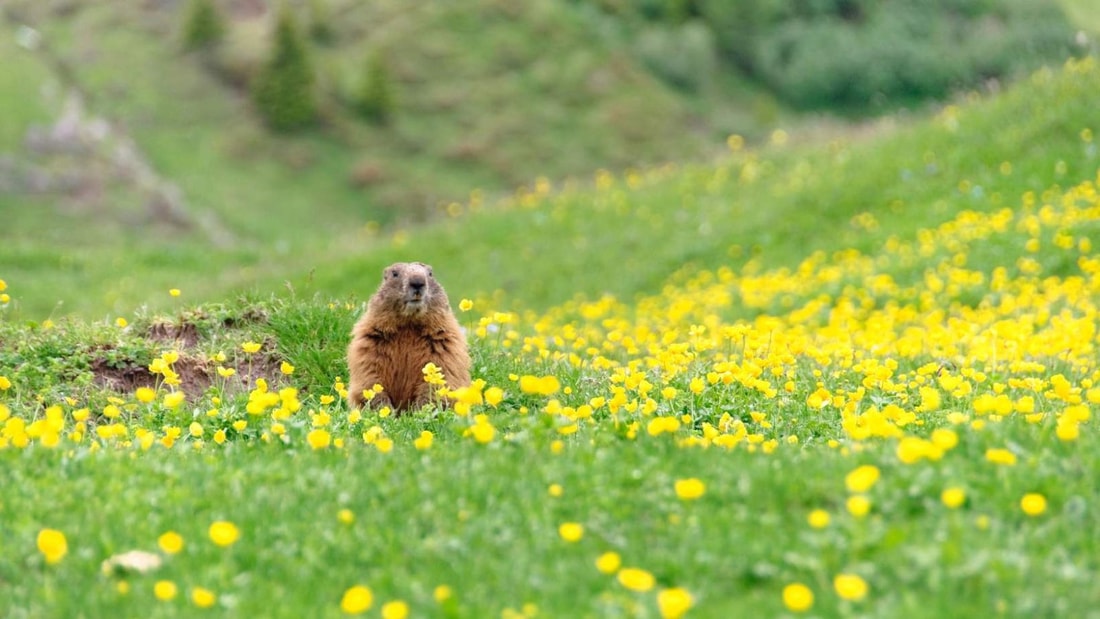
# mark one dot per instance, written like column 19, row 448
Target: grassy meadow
column 852, row 379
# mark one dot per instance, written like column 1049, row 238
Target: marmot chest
column 401, row 361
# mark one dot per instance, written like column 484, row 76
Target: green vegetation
column 858, row 54
column 205, row 27
column 283, row 89
column 376, row 97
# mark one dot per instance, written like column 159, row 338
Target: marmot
column 408, row 323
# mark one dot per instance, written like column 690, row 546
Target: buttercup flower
column 797, row 597
column 636, row 579
column 850, row 587
column 357, row 600
column 224, row 533
column 53, row 545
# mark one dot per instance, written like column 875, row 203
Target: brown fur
column 408, row 323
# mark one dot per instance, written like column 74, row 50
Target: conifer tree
column 205, row 26
column 376, row 100
column 283, row 89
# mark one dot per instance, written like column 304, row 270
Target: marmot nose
column 417, row 283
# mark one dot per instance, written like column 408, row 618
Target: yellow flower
column 571, row 531
column 433, row 375
column 286, row 368
column 145, row 394
column 690, row 489
column 396, row 609
column 202, row 597
column 493, row 396
column 674, row 603
column 121, row 322
column 546, row 385
column 555, row 490
column 697, row 385
column 953, row 497
column 1000, row 456
column 858, row 505
column 442, row 593
column 195, row 429
column 174, row 399
column 5, row 384
column 850, row 587
column 345, row 516
column 175, row 292
column 318, row 438
column 240, row 425
column 424, row 441
column 3, row 285
column 357, row 600
column 384, row 445
column 224, row 533
column 929, row 400
column 608, row 562
column 1033, row 504
column 797, row 597
column 165, row 590
column 483, row 432
column 53, row 545
column 1067, row 430
column 862, row 478
column 818, row 519
column 945, row 438
column 225, row 372
column 465, row 305
column 250, row 347
column 636, row 579
column 170, row 542
column 219, row 436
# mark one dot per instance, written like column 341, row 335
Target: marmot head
column 410, row 289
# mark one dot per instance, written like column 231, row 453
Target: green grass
column 1084, row 14
column 473, row 520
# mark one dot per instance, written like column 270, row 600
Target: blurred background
column 219, row 146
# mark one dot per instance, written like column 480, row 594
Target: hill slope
column 777, row 205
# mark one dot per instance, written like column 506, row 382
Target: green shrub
column 376, row 100
column 205, row 26
column 320, row 22
column 283, row 89
column 901, row 52
column 683, row 56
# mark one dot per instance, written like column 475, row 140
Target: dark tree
column 283, row 89
column 376, row 101
column 205, row 26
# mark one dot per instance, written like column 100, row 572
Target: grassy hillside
column 489, row 97
column 889, row 416
column 782, row 200
column 777, row 205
